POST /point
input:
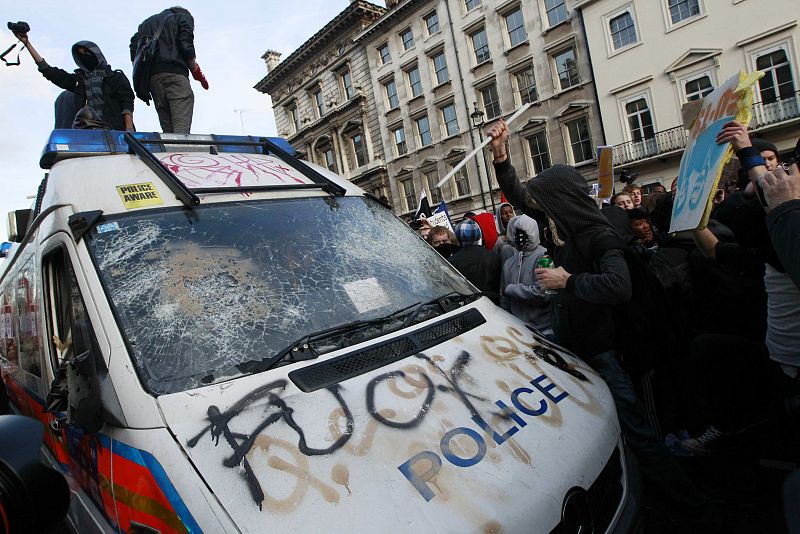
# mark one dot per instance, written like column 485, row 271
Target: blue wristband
column 750, row 157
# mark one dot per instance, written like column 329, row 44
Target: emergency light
column 65, row 144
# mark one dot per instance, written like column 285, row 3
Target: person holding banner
column 592, row 277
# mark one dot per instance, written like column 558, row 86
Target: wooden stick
column 485, row 142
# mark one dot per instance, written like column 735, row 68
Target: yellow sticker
column 139, row 195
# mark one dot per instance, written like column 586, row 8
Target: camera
column 19, row 27
column 627, row 177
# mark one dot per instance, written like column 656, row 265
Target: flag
column 424, row 209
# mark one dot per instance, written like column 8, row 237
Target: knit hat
column 636, row 214
column 468, row 233
column 761, row 145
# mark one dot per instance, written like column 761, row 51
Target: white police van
column 223, row 338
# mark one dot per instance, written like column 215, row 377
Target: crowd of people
column 696, row 333
column 96, row 96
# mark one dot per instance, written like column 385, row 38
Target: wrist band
column 750, row 157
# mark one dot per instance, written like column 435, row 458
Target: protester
column 623, row 200
column 658, row 187
column 478, row 265
column 169, row 73
column 66, row 107
column 504, row 246
column 768, row 151
column 444, row 241
column 591, row 278
column 106, row 93
column 642, row 230
column 521, row 294
column 635, row 192
column 782, row 194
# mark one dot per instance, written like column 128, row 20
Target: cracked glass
column 199, row 293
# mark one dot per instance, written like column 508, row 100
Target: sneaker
column 703, row 443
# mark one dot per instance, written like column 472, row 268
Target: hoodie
column 521, row 293
column 504, row 246
column 108, row 92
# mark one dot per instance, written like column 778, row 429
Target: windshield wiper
column 302, row 348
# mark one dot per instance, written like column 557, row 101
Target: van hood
column 487, row 431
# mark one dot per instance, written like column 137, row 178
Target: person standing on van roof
column 169, row 72
column 105, row 94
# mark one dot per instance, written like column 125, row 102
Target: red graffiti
column 229, row 170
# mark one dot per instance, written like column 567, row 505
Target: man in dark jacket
column 591, row 278
column 107, row 92
column 169, row 73
column 782, row 194
column 478, row 265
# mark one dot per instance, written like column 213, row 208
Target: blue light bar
column 65, row 144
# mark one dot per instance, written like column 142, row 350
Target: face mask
column 520, row 239
column 446, row 249
column 89, row 61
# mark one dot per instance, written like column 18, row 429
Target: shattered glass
column 197, row 293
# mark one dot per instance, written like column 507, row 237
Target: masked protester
column 105, row 95
column 522, row 295
column 478, row 265
column 504, row 246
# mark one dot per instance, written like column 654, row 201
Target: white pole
column 485, row 142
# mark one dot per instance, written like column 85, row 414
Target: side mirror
column 83, row 398
column 33, row 497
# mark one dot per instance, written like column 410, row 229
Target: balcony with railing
column 673, row 140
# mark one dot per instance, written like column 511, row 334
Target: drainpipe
column 466, row 106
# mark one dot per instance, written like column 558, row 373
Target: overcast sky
column 230, row 38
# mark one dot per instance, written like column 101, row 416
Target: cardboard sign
column 605, row 171
column 139, row 195
column 703, row 159
column 440, row 218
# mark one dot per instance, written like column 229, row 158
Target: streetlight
column 477, row 122
column 241, row 112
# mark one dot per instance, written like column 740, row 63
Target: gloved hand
column 198, row 75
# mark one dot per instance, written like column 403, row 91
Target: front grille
column 604, row 496
column 314, row 377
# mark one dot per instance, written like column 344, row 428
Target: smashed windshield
column 198, row 293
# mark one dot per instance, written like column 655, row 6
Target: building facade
column 323, row 103
column 433, row 75
column 651, row 58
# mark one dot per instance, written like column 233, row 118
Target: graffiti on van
column 230, row 170
column 427, row 378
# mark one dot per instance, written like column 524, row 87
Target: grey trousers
column 174, row 101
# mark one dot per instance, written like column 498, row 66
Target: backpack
column 143, row 62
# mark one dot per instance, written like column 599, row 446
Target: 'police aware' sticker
column 139, row 195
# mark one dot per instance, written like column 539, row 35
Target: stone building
column 431, row 76
column 441, row 66
column 650, row 58
column 323, row 102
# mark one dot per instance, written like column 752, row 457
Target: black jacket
column 478, row 265
column 117, row 92
column 783, row 224
column 175, row 44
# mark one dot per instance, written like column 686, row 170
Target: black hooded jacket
column 175, row 43
column 117, row 92
column 583, row 315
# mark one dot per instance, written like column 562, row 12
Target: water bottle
column 546, row 262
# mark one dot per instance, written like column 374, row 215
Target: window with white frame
column 639, row 118
column 414, row 81
column 383, row 52
column 540, row 155
column 408, row 193
column 440, row 71
column 399, row 136
column 525, row 85
column 326, row 157
column 580, row 140
column 346, row 83
column 698, row 88
column 390, row 88
column 490, row 100
column 294, row 117
column 623, row 30
column 461, row 180
column 680, row 10
column 407, row 38
column 359, row 149
column 423, row 131
column 566, row 69
column 319, row 104
column 449, row 119
column 434, row 193
column 556, row 11
column 515, row 26
column 471, row 4
column 480, row 46
column 432, row 22
column 777, row 83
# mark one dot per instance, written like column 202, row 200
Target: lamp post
column 477, row 122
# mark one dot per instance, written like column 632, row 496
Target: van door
column 70, row 332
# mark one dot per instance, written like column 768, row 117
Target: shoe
column 673, row 443
column 703, row 444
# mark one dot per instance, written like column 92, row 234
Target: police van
column 220, row 337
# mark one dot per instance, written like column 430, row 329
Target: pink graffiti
column 228, row 170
